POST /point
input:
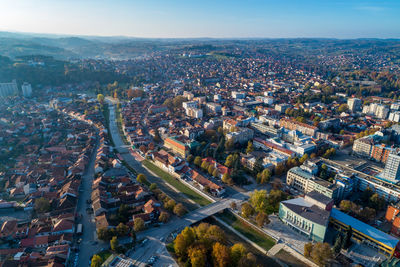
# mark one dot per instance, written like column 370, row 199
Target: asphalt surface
column 89, row 244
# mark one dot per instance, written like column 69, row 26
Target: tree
column 216, row 234
column 220, row 255
column 104, row 234
column 279, row 169
column 258, row 200
column 179, row 209
column 198, row 255
column 211, row 169
column 138, row 224
column 248, row 261
column 226, row 178
column 247, row 210
column 345, row 205
column 237, row 252
column 215, row 173
column 170, row 204
column 180, row 245
column 133, row 236
column 96, row 261
column 347, row 238
column 321, row 253
column 229, row 161
column 100, row 98
column 153, row 186
column 308, row 247
column 229, row 144
column 343, row 108
column 264, row 176
column 122, row 229
column 143, row 149
column 197, row 161
column 114, row 244
column 190, row 158
column 262, row 219
column 233, row 205
column 250, row 147
column 303, row 158
column 164, row 217
column 204, row 165
column 338, row 244
column 141, row 178
column 42, row 205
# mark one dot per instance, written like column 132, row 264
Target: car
column 144, row 241
column 79, row 240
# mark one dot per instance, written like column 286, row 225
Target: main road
column 131, row 161
column 89, row 244
column 156, row 236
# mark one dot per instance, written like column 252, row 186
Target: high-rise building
column 26, row 89
column 354, row 104
column 392, row 168
column 8, row 89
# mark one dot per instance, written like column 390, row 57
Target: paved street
column 87, row 247
column 131, row 160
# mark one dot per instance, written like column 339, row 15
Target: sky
column 205, row 18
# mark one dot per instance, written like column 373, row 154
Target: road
column 131, row 160
column 156, row 236
column 87, row 247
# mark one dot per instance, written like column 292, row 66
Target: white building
column 238, row 95
column 8, row 89
column 354, row 104
column 392, row 168
column 26, row 90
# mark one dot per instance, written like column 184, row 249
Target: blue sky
column 204, row 18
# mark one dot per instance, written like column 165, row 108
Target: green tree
column 122, row 229
column 96, row 261
column 211, row 169
column 170, row 204
column 247, row 210
column 258, row 200
column 114, row 244
column 338, row 244
column 321, row 253
column 179, row 210
column 138, row 224
column 164, row 217
column 100, row 98
column 262, row 219
column 250, row 147
column 198, row 255
column 237, row 252
column 42, row 205
column 141, row 178
column 226, row 178
column 153, row 186
column 229, row 161
column 220, row 255
column 347, row 238
column 190, row 158
column 197, row 161
column 204, row 165
column 343, row 108
column 308, row 248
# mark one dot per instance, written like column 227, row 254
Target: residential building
column 26, row 89
column 392, row 168
column 176, row 146
column 299, row 126
column 354, row 104
column 306, row 182
column 8, row 89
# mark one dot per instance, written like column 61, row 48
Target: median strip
column 176, row 183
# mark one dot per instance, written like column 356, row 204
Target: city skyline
column 221, row 19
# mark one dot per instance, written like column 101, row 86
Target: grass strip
column 176, row 183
